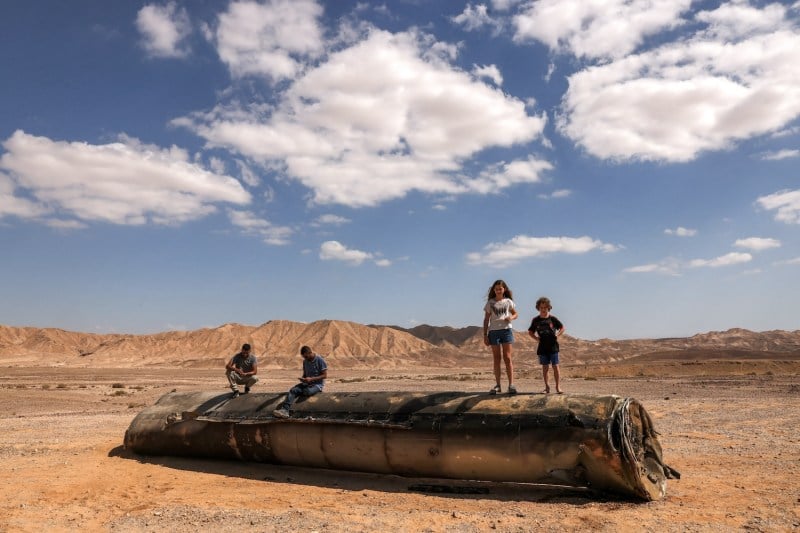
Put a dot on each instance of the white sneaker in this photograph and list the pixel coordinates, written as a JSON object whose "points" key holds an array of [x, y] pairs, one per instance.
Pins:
{"points": [[512, 389], [281, 413], [496, 389]]}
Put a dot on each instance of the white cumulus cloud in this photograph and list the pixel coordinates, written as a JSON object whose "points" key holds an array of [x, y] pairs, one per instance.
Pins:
{"points": [[126, 182], [780, 154], [272, 39], [502, 254], [389, 110], [490, 72], [475, 17], [667, 267], [786, 204], [680, 231], [734, 79], [610, 28], [336, 251], [733, 258], [164, 29], [253, 225], [330, 220], [757, 243]]}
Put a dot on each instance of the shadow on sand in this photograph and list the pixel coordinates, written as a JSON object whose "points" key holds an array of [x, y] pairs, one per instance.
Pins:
{"points": [[358, 481]]}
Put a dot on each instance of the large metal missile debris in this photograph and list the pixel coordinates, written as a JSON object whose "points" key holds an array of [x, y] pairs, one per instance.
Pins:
{"points": [[605, 443]]}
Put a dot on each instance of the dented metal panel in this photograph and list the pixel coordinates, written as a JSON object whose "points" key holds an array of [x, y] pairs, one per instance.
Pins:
{"points": [[606, 443]]}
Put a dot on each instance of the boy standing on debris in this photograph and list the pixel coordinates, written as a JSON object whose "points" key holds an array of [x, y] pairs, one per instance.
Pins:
{"points": [[546, 329]]}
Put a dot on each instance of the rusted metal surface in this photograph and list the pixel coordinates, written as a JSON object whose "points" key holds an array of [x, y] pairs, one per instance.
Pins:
{"points": [[606, 443]]}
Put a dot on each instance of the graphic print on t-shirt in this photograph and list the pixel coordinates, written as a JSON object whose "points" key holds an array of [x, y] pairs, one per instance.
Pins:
{"points": [[499, 312]]}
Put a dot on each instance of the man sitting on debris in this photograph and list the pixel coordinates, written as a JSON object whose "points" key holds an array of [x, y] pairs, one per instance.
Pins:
{"points": [[315, 371], [242, 370]]}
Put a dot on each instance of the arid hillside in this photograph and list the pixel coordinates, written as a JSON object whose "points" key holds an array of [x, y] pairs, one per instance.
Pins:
{"points": [[352, 345], [277, 343]]}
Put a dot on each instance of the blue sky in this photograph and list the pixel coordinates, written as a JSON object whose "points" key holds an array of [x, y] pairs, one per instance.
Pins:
{"points": [[183, 165]]}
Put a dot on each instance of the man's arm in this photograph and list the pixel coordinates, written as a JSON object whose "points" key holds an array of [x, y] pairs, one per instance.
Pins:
{"points": [[323, 375]]}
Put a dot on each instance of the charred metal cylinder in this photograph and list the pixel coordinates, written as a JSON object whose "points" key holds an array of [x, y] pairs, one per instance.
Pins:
{"points": [[606, 443]]}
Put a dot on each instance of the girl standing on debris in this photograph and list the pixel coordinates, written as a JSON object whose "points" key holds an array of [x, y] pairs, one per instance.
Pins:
{"points": [[499, 311]]}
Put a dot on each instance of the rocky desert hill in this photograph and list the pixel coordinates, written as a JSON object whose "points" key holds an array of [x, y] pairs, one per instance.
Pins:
{"points": [[735, 342], [358, 346], [277, 343]]}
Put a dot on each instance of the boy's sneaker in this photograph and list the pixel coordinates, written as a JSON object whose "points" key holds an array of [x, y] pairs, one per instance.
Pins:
{"points": [[235, 394], [496, 389], [512, 389], [247, 390], [281, 413]]}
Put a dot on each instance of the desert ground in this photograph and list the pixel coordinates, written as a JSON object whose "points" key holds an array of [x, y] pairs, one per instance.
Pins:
{"points": [[729, 427]]}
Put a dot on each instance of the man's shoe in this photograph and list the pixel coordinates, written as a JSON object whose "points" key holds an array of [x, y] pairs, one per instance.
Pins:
{"points": [[495, 389], [281, 413], [247, 390], [512, 389], [235, 394]]}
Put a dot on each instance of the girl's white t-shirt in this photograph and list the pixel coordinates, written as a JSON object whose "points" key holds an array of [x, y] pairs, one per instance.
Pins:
{"points": [[499, 313]]}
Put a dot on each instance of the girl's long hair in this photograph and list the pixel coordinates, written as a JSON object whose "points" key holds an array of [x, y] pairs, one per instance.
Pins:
{"points": [[506, 290]]}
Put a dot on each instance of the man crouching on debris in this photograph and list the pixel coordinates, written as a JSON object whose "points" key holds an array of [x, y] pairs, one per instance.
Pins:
{"points": [[242, 370], [315, 371]]}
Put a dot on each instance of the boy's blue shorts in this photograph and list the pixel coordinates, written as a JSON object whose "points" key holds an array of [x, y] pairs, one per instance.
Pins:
{"points": [[549, 359], [501, 336]]}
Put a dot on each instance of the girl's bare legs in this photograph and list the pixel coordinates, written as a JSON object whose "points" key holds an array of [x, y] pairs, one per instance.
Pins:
{"points": [[509, 365], [496, 355]]}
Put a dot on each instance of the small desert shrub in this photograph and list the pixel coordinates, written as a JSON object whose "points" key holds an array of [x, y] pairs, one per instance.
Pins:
{"points": [[590, 378], [46, 386], [61, 386], [118, 386], [120, 393], [137, 387]]}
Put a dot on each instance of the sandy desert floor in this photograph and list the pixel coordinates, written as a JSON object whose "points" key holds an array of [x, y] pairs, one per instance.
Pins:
{"points": [[733, 437]]}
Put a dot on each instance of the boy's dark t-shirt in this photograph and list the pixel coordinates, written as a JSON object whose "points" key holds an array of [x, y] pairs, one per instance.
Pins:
{"points": [[546, 329]]}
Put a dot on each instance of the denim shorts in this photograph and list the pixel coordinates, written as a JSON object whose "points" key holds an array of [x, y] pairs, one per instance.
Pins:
{"points": [[501, 336], [549, 359]]}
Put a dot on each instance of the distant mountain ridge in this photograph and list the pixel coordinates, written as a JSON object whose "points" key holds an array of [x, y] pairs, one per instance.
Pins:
{"points": [[353, 345]]}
